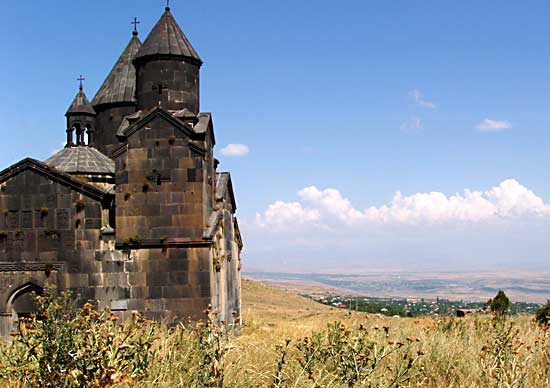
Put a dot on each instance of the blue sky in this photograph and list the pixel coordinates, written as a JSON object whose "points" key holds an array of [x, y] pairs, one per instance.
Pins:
{"points": [[364, 97]]}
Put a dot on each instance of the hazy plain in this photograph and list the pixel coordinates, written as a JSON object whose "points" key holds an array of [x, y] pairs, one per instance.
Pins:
{"points": [[467, 286]]}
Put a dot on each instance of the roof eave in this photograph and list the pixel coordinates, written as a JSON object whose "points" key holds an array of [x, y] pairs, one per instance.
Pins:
{"points": [[54, 174]]}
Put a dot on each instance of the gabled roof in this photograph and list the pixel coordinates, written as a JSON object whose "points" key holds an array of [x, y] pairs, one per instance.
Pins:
{"points": [[55, 175], [127, 121], [80, 105], [223, 187], [145, 117], [128, 129], [120, 84], [205, 121], [185, 114], [212, 226], [167, 39], [82, 160], [205, 125]]}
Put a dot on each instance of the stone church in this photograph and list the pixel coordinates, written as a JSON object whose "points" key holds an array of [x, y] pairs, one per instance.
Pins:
{"points": [[133, 213]]}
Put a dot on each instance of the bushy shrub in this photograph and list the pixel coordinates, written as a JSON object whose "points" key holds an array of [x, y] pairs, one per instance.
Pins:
{"points": [[502, 364], [499, 305], [543, 314], [66, 346], [356, 359]]}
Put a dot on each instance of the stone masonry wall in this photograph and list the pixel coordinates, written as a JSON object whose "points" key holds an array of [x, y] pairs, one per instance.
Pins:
{"points": [[160, 186], [174, 83], [108, 121]]}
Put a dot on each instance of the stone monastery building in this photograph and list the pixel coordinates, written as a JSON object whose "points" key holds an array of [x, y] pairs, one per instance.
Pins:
{"points": [[132, 214]]}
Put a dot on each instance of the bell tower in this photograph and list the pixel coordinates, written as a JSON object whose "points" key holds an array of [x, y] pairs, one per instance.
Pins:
{"points": [[81, 120], [167, 68]]}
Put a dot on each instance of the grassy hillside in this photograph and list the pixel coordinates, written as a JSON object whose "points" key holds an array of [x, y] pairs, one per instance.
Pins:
{"points": [[470, 352], [286, 341]]}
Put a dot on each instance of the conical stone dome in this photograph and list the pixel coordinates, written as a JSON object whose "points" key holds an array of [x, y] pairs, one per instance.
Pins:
{"points": [[120, 85], [80, 105], [167, 39]]}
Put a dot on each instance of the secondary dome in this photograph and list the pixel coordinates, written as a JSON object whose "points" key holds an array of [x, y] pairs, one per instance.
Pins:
{"points": [[82, 160]]}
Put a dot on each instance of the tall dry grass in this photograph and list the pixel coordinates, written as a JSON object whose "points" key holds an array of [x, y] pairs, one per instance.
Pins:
{"points": [[288, 341]]}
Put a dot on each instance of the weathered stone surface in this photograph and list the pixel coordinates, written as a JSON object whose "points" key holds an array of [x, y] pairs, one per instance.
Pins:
{"points": [[132, 216]]}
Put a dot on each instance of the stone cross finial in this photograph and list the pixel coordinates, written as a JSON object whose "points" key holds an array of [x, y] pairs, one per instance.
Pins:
{"points": [[80, 79], [135, 23]]}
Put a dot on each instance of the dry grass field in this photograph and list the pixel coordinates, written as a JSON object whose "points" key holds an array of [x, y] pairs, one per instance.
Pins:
{"points": [[469, 352], [286, 341]]}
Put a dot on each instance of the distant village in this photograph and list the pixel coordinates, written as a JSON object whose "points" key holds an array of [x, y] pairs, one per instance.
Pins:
{"points": [[413, 307]]}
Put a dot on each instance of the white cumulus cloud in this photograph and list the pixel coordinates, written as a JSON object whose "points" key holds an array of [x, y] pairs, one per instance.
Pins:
{"points": [[322, 230], [283, 213], [328, 207], [418, 97], [489, 125], [235, 150]]}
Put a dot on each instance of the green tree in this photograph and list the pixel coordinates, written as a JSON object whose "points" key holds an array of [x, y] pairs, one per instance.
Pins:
{"points": [[499, 305], [543, 314]]}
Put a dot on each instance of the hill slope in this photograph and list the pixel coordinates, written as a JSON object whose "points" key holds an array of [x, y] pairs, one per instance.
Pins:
{"points": [[450, 352]]}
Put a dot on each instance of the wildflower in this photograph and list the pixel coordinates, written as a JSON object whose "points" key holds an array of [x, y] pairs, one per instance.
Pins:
{"points": [[75, 374], [118, 377]]}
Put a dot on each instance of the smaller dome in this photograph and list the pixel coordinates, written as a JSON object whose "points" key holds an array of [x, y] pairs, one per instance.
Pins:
{"points": [[80, 105], [82, 160]]}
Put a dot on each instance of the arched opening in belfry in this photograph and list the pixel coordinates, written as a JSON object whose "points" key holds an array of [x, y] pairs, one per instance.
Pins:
{"points": [[88, 134], [22, 303], [79, 132]]}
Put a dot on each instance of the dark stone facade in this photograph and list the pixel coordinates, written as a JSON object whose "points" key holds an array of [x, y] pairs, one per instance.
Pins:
{"points": [[176, 89], [132, 214], [109, 118]]}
